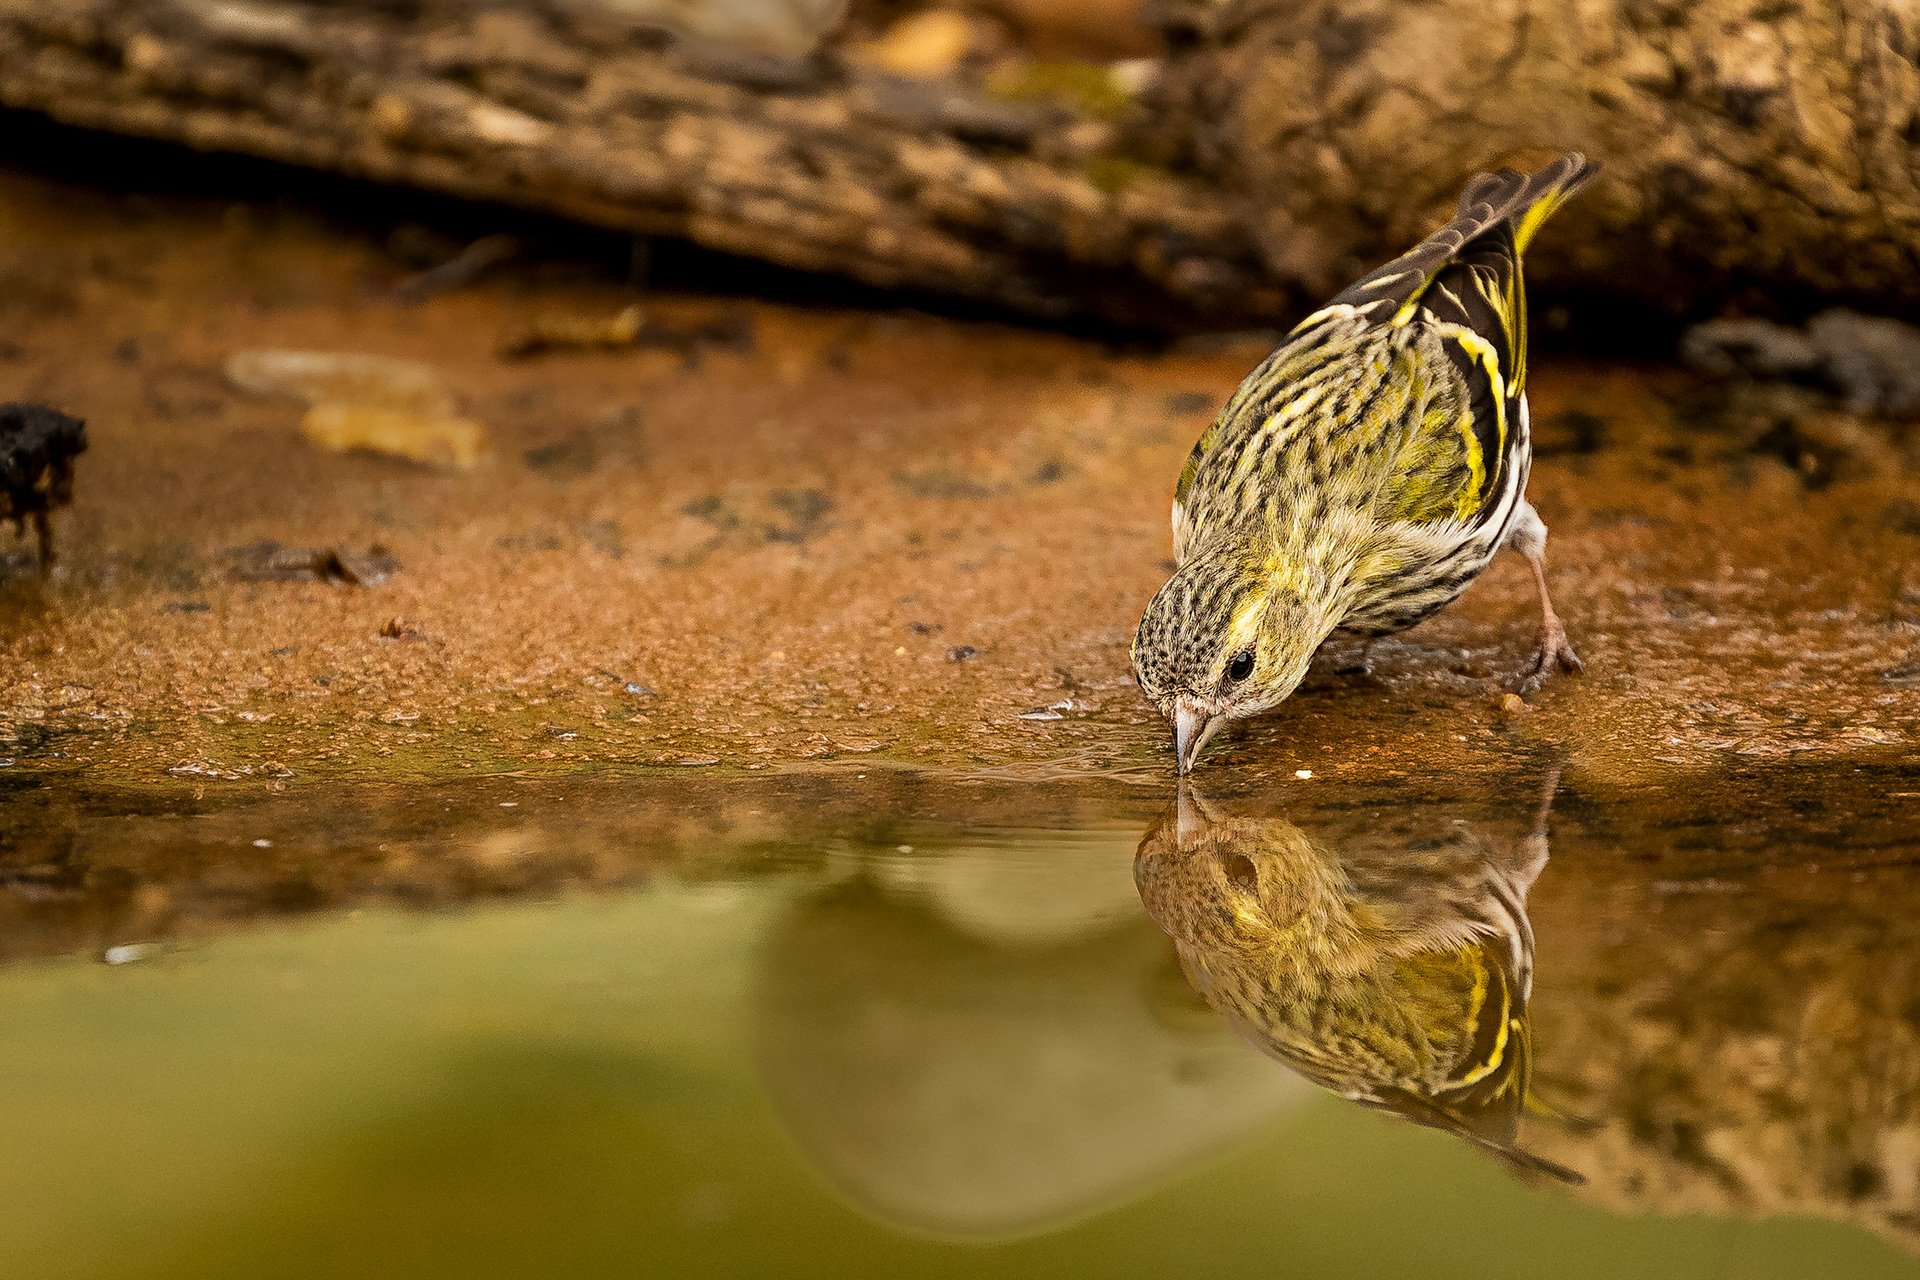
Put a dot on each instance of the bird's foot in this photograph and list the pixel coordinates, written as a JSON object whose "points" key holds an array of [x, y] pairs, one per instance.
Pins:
{"points": [[1553, 651]]}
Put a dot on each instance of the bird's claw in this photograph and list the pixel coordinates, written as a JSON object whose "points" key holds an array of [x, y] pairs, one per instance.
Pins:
{"points": [[1554, 650]]}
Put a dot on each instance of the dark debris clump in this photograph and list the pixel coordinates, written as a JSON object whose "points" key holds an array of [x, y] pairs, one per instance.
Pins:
{"points": [[268, 561], [37, 449], [1838, 400]]}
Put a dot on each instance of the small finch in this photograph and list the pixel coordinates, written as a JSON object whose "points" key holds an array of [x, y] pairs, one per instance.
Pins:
{"points": [[1395, 977], [1363, 475]]}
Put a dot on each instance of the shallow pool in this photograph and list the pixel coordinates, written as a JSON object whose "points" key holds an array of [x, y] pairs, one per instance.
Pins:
{"points": [[896, 1025]]}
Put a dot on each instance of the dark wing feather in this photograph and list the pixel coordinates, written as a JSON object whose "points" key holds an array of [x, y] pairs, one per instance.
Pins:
{"points": [[1490, 203], [1466, 277]]}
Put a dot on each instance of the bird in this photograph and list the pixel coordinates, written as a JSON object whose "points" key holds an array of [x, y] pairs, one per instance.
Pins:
{"points": [[1363, 474], [37, 449], [1395, 974]]}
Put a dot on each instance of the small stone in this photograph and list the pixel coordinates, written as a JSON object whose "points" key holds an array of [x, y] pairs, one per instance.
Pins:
{"points": [[961, 652], [1512, 704], [1303, 774]]}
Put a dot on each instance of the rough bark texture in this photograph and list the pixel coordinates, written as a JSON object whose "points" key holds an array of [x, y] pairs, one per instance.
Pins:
{"points": [[1756, 152], [1751, 146], [814, 164], [1754, 1049]]}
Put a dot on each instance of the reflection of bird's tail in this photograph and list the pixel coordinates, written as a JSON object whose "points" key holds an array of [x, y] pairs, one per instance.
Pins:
{"points": [[1527, 1162], [1438, 1115], [1541, 1109]]}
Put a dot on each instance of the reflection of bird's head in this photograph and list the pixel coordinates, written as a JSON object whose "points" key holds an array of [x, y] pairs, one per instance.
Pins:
{"points": [[1400, 982], [1244, 893]]}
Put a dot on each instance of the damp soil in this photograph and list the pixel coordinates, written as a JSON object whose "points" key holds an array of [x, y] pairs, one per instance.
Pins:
{"points": [[821, 534]]}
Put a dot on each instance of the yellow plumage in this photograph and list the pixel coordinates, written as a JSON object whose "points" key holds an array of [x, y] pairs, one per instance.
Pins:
{"points": [[1396, 978]]}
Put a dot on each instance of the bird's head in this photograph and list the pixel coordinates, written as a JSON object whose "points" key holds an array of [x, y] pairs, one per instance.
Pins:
{"points": [[1222, 640]]}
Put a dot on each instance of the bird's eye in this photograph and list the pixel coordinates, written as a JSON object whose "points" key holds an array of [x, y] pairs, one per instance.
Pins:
{"points": [[1241, 667], [1240, 869]]}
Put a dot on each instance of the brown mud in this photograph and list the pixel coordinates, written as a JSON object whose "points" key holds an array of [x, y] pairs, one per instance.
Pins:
{"points": [[830, 535]]}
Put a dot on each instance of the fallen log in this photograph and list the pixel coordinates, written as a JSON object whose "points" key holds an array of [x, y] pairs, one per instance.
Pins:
{"points": [[1759, 155], [1759, 159], [815, 163]]}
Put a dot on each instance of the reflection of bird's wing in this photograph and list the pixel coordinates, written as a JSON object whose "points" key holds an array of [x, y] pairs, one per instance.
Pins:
{"points": [[1458, 893], [1485, 1063], [1468, 1000]]}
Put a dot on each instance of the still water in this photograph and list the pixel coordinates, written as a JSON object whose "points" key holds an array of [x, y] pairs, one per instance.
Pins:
{"points": [[890, 1025]]}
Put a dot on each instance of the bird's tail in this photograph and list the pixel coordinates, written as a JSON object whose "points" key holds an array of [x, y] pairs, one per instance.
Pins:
{"points": [[1505, 208]]}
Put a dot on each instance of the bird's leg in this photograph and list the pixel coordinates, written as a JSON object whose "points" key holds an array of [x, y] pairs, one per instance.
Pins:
{"points": [[1554, 648], [1529, 537]]}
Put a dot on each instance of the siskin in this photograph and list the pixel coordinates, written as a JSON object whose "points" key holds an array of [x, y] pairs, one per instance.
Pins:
{"points": [[1395, 977], [1363, 474]]}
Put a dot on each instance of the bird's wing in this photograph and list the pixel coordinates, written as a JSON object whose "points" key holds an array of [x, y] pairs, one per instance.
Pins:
{"points": [[1508, 202], [1352, 368], [1464, 285]]}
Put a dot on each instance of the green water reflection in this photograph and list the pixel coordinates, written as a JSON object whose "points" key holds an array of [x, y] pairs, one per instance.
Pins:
{"points": [[774, 1034]]}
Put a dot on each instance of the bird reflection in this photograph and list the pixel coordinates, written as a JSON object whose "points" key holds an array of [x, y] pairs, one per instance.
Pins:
{"points": [[1395, 976]]}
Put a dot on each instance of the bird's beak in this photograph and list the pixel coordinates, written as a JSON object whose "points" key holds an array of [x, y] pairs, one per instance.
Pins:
{"points": [[1192, 726]]}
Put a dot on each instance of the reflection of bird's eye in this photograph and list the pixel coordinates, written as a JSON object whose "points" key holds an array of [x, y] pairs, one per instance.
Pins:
{"points": [[1240, 870], [1241, 667]]}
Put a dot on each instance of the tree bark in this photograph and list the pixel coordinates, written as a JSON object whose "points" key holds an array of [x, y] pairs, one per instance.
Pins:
{"points": [[816, 163], [1760, 152], [1757, 156]]}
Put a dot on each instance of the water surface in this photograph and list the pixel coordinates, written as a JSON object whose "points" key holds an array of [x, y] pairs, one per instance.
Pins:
{"points": [[894, 1025]]}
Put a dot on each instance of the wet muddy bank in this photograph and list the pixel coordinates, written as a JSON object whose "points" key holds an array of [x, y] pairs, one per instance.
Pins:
{"points": [[838, 534]]}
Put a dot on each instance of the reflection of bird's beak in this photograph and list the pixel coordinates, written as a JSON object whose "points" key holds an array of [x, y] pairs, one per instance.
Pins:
{"points": [[1187, 820], [1192, 726], [1191, 816]]}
